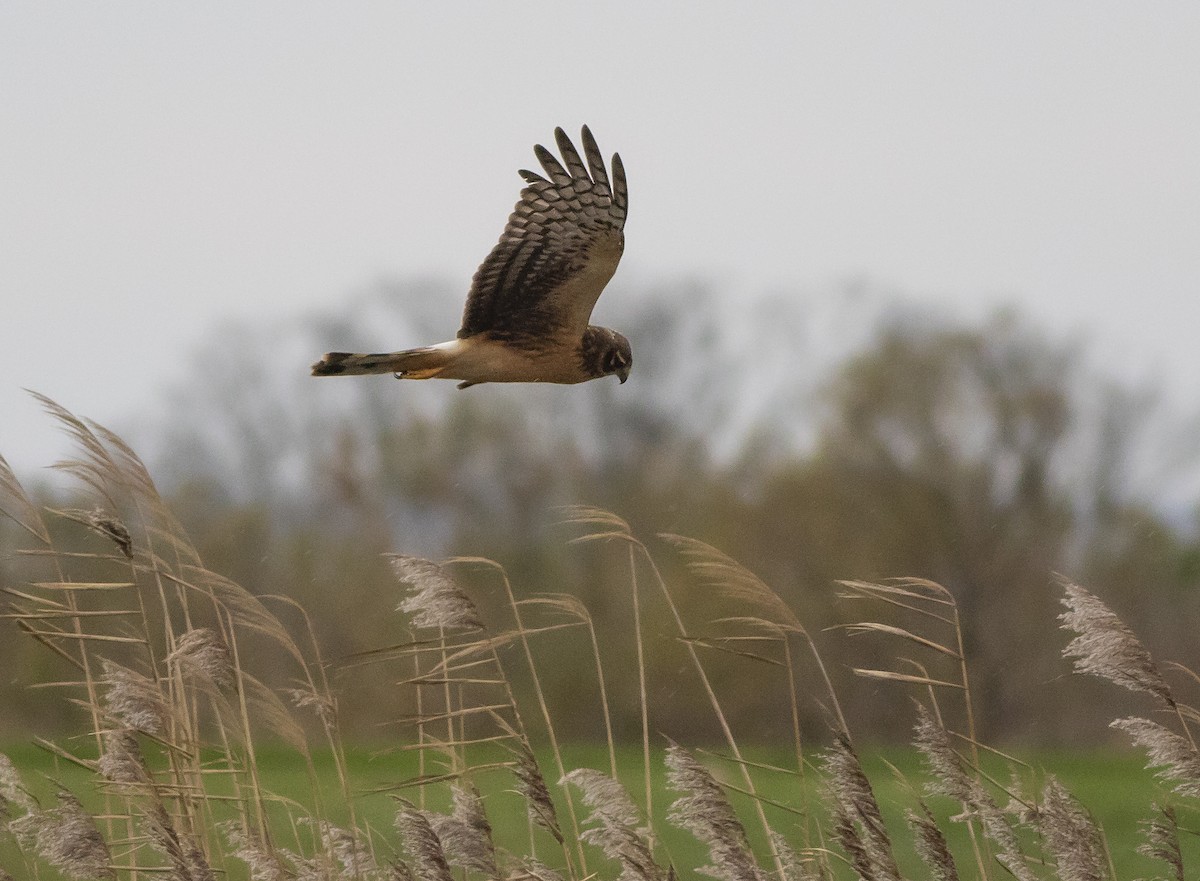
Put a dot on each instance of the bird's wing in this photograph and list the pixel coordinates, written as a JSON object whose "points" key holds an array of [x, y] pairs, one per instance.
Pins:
{"points": [[561, 246]]}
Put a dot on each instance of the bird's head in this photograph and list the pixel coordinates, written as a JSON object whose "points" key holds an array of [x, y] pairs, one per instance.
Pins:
{"points": [[618, 358], [606, 353]]}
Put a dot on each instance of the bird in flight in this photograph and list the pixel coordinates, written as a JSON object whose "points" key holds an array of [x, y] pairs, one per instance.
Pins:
{"points": [[527, 313]]}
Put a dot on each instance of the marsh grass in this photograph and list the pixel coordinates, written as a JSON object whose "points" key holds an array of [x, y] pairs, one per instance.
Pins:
{"points": [[187, 688]]}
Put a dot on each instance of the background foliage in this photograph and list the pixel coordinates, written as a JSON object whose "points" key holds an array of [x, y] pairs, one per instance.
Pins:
{"points": [[848, 440]]}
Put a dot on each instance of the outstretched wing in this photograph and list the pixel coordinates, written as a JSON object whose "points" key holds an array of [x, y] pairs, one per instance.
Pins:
{"points": [[561, 246]]}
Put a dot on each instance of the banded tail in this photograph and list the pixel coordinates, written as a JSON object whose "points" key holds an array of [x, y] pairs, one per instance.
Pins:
{"points": [[423, 363]]}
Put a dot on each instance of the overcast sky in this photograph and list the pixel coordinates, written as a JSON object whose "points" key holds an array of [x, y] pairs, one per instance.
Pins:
{"points": [[164, 166]]}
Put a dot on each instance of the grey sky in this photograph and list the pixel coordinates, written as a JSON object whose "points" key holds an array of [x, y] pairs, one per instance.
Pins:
{"points": [[163, 166]]}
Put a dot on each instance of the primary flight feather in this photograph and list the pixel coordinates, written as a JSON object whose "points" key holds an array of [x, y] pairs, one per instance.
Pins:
{"points": [[527, 313]]}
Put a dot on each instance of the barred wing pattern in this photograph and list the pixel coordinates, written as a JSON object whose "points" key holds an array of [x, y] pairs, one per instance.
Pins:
{"points": [[537, 287]]}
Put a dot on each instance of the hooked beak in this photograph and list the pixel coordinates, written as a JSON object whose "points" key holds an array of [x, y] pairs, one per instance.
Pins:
{"points": [[623, 374]]}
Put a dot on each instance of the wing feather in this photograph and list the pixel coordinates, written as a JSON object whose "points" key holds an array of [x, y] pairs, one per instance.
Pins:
{"points": [[620, 189], [560, 247], [570, 155], [553, 167], [595, 158]]}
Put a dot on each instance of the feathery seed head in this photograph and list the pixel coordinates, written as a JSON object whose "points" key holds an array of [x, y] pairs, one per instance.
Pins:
{"points": [[321, 704], [951, 779], [1105, 647], [794, 868], [198, 868], [11, 789], [1162, 840], [111, 528], [345, 847], [201, 652], [104, 524], [852, 844], [931, 845], [466, 834], [607, 798], [134, 699], [704, 811], [532, 785], [617, 830], [67, 838], [122, 761], [423, 845], [851, 790], [263, 863], [188, 862], [1174, 755], [950, 776], [1070, 835], [435, 599]]}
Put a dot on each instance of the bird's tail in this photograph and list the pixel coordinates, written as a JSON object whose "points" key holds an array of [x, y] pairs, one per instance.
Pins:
{"points": [[423, 363]]}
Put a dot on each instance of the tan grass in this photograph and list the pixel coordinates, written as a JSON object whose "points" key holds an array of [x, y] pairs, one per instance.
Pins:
{"points": [[166, 658]]}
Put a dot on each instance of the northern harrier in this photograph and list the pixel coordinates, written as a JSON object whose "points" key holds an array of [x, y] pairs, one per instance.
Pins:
{"points": [[526, 318]]}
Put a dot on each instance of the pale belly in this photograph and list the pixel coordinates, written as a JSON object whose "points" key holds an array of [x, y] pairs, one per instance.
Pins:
{"points": [[478, 360]]}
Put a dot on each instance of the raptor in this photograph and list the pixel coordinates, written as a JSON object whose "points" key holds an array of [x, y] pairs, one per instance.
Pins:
{"points": [[528, 310]]}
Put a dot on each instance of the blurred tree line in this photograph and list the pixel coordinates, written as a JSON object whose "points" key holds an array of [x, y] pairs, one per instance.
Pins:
{"points": [[810, 438]]}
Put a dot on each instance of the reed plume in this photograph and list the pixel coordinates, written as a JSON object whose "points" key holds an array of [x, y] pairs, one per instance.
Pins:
{"points": [[435, 599], [931, 846], [67, 838], [1162, 840], [859, 820], [423, 845], [618, 829], [1105, 647], [1176, 758], [703, 810], [1070, 835], [466, 834]]}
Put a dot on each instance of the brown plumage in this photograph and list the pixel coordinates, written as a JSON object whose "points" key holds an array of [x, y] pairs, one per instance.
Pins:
{"points": [[526, 317]]}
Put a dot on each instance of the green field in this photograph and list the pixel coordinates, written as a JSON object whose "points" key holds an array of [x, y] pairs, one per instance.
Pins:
{"points": [[1114, 788]]}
